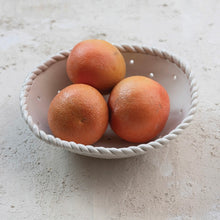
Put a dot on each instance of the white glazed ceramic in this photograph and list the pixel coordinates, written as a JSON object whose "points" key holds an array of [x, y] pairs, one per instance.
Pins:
{"points": [[46, 80]]}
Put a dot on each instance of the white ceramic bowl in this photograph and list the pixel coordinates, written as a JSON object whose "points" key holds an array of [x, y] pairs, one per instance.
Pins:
{"points": [[46, 80]]}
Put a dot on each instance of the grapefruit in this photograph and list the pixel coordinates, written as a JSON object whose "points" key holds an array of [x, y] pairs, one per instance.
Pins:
{"points": [[78, 113], [97, 63], [139, 108]]}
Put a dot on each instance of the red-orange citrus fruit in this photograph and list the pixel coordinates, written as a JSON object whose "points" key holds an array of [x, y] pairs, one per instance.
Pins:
{"points": [[139, 109], [78, 113], [97, 63]]}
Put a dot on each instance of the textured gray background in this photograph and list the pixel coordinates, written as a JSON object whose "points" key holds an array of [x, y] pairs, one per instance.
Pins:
{"points": [[38, 181]]}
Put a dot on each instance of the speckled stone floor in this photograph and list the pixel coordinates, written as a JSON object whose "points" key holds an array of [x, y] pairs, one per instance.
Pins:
{"points": [[181, 181]]}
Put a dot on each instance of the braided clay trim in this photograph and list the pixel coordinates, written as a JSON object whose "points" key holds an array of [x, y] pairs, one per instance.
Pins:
{"points": [[103, 152]]}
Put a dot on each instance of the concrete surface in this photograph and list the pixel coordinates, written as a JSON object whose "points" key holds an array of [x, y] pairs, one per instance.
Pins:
{"points": [[38, 181]]}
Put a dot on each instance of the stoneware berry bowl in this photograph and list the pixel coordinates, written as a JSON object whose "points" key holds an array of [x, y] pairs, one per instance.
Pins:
{"points": [[42, 84]]}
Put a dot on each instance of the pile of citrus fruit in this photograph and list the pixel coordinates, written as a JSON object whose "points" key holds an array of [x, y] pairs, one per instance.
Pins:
{"points": [[137, 108]]}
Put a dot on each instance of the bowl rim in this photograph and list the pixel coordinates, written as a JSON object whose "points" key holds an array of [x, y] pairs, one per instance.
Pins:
{"points": [[103, 152]]}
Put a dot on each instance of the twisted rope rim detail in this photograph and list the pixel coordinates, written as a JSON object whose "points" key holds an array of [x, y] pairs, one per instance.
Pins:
{"points": [[103, 152]]}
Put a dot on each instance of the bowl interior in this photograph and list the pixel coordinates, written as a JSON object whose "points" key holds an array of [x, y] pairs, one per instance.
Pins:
{"points": [[172, 78]]}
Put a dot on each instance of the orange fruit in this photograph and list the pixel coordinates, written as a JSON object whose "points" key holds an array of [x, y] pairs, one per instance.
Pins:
{"points": [[139, 108], [78, 113], [97, 63]]}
